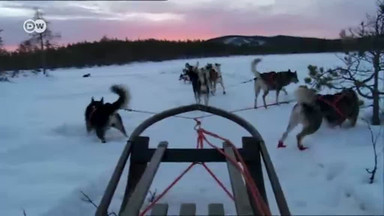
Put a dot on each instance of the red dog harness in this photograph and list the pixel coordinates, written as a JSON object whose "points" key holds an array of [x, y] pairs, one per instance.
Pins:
{"points": [[270, 79], [92, 112], [214, 75], [333, 104]]}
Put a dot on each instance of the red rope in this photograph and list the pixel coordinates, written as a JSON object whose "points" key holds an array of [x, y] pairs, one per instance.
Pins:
{"points": [[218, 181], [199, 145], [167, 189], [251, 184], [257, 198], [333, 104]]}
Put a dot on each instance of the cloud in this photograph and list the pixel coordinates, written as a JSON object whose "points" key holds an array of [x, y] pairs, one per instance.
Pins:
{"points": [[186, 19]]}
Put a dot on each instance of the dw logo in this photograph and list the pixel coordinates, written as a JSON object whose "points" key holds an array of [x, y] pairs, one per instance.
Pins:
{"points": [[38, 26]]}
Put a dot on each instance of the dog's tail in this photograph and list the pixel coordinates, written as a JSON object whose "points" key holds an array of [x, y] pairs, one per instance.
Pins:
{"points": [[124, 97], [254, 64], [353, 103], [304, 95]]}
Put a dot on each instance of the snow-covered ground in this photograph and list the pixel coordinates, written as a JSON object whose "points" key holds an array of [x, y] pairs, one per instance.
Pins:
{"points": [[46, 157]]}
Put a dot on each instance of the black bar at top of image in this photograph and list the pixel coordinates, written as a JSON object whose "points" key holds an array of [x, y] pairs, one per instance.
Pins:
{"points": [[92, 0]]}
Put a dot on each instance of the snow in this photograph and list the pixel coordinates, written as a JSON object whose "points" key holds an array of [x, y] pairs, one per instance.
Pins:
{"points": [[239, 41], [46, 157]]}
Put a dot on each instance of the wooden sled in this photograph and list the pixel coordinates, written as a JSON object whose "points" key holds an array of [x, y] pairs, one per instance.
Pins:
{"points": [[144, 163]]}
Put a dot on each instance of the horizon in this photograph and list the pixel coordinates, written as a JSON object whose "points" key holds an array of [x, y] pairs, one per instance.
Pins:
{"points": [[13, 48], [184, 20]]}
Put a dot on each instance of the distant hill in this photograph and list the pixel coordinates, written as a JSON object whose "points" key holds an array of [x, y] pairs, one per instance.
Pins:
{"points": [[257, 41], [114, 51]]}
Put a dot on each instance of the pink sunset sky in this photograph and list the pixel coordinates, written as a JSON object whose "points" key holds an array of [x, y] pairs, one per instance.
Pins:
{"points": [[184, 19]]}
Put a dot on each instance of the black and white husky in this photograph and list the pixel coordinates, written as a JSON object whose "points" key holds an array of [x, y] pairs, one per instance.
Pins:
{"points": [[101, 116], [200, 82], [311, 108], [271, 81]]}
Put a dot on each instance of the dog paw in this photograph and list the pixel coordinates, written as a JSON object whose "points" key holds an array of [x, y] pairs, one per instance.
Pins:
{"points": [[281, 145], [302, 148], [224, 93]]}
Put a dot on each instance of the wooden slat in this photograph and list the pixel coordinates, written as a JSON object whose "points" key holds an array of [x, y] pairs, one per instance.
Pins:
{"points": [[215, 209], [242, 203], [187, 155], [136, 168], [251, 147], [274, 180], [160, 210], [137, 198], [188, 209], [102, 210]]}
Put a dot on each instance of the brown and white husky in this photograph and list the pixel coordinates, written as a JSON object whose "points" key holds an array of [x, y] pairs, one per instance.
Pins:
{"points": [[311, 108], [271, 81]]}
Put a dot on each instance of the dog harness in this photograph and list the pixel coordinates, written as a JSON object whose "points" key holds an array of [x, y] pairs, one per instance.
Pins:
{"points": [[333, 104], [214, 74], [92, 112], [270, 78]]}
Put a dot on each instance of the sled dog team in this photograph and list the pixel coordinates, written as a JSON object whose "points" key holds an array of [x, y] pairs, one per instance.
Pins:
{"points": [[204, 80], [310, 110]]}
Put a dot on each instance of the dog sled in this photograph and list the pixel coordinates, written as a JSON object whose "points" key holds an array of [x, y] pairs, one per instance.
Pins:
{"points": [[244, 168]]}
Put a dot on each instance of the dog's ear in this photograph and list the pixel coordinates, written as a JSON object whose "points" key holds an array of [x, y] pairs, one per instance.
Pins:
{"points": [[92, 100], [102, 100], [289, 70]]}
